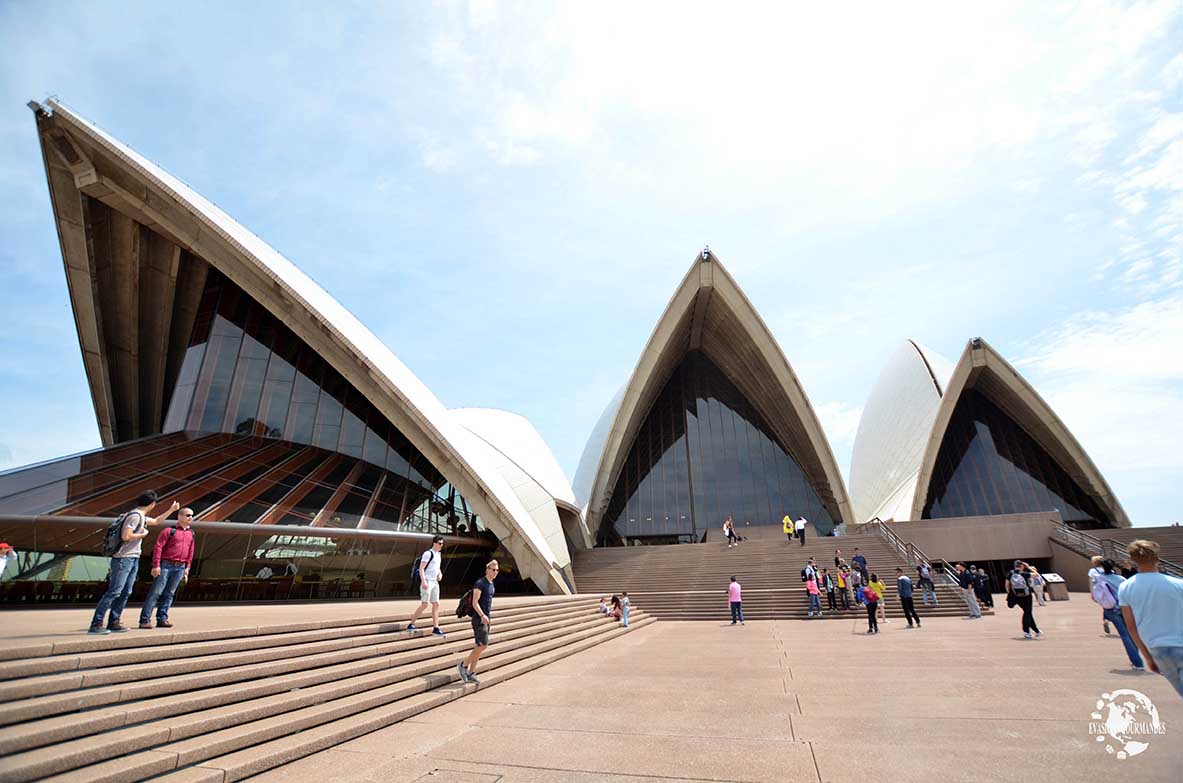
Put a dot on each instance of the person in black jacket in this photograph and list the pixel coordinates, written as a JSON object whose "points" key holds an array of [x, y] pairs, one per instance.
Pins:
{"points": [[984, 588]]}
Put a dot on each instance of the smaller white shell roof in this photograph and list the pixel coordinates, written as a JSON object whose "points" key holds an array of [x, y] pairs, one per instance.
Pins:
{"points": [[515, 437], [893, 432]]}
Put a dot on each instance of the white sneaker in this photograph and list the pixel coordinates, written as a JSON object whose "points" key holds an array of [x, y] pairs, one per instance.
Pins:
{"points": [[1028, 634], [1039, 634]]}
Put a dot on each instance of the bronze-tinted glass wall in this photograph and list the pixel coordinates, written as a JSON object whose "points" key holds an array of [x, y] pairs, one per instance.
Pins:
{"points": [[246, 373], [988, 464], [702, 453]]}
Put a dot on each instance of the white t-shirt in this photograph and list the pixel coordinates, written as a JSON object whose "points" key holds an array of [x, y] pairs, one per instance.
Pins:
{"points": [[1094, 572], [432, 571], [802, 522]]}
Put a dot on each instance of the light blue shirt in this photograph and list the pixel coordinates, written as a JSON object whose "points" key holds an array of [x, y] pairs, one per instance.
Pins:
{"points": [[1157, 603]]}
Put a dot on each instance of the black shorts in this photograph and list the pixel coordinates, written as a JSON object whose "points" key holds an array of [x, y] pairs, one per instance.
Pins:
{"points": [[480, 632]]}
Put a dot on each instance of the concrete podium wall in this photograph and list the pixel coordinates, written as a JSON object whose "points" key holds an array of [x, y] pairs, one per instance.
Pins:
{"points": [[1000, 537]]}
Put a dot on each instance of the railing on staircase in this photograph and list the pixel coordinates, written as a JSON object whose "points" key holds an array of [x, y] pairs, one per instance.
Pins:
{"points": [[911, 553], [1089, 545]]}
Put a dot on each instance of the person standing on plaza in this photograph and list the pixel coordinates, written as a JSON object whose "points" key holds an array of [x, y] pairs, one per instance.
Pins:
{"points": [[1018, 588], [1094, 572], [171, 559], [924, 572], [965, 581], [7, 555], [982, 587], [133, 529], [735, 600], [871, 598], [789, 528], [1105, 591], [881, 590], [1152, 606], [801, 524], [481, 614], [1036, 586], [830, 588], [430, 570], [903, 588]]}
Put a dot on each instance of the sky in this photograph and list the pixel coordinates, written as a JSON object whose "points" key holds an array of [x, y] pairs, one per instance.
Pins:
{"points": [[508, 193]]}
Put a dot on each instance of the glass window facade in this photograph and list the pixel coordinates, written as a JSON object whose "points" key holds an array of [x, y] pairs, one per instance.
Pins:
{"points": [[988, 464], [246, 373], [702, 453], [275, 486]]}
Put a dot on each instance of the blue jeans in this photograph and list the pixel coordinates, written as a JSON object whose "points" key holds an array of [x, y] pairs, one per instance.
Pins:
{"points": [[929, 589], [119, 584], [736, 612], [1170, 663], [624, 616], [1131, 649], [815, 603], [163, 589]]}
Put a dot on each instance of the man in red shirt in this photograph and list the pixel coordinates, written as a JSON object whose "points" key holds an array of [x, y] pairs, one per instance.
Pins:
{"points": [[171, 558]]}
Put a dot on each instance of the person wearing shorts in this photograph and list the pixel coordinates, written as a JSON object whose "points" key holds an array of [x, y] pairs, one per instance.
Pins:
{"points": [[482, 609], [429, 586]]}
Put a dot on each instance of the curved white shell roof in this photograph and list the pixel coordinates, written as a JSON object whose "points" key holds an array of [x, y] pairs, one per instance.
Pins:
{"points": [[515, 437], [893, 432], [709, 312], [267, 275], [909, 409]]}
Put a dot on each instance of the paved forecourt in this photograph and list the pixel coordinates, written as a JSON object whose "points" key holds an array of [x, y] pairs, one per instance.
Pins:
{"points": [[958, 700]]}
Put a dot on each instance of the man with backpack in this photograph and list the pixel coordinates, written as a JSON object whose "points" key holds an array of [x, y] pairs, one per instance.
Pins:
{"points": [[481, 608], [1018, 590], [171, 558], [122, 544], [428, 569]]}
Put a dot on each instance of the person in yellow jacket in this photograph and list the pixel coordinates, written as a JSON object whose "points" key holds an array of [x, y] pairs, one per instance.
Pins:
{"points": [[880, 588], [790, 530]]}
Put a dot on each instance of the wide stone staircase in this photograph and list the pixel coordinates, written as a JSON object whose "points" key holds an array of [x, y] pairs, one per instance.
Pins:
{"points": [[219, 706], [689, 581]]}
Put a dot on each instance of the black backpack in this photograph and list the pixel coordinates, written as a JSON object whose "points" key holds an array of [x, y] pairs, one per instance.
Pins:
{"points": [[113, 538], [464, 605]]}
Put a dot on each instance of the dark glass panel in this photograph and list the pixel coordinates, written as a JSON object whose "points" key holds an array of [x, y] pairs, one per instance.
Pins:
{"points": [[305, 395], [988, 464], [704, 452], [353, 428]]}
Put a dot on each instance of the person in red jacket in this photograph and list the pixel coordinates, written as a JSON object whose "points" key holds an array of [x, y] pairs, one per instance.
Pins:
{"points": [[171, 559]]}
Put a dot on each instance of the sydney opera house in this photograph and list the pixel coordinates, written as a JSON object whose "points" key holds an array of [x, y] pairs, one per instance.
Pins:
{"points": [[318, 464]]}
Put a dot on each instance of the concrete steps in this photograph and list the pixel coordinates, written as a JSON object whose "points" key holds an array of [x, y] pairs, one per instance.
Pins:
{"points": [[689, 581], [134, 706]]}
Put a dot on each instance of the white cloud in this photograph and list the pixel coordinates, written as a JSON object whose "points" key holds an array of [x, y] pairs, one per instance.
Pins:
{"points": [[1114, 378], [840, 421]]}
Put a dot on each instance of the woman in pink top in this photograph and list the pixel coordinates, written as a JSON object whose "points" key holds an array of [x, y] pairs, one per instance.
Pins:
{"points": [[733, 595], [815, 597]]}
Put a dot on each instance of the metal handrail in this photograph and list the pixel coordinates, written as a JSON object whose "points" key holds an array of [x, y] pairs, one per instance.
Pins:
{"points": [[1111, 548], [911, 553]]}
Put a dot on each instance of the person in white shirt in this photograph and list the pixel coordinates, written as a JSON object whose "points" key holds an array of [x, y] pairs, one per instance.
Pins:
{"points": [[6, 554], [1095, 572], [430, 571], [801, 523]]}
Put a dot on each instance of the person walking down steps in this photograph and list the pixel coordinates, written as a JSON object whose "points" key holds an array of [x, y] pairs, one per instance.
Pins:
{"points": [[430, 572]]}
